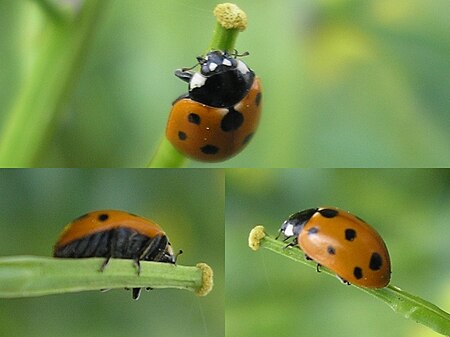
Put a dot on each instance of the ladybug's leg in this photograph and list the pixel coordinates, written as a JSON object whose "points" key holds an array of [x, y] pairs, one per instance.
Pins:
{"points": [[151, 252], [286, 238], [137, 264], [104, 264], [279, 233], [292, 244], [154, 249], [317, 266], [136, 292], [102, 268], [343, 280], [111, 251], [184, 74]]}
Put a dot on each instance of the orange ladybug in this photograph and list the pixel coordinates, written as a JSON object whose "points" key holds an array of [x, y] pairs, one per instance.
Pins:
{"points": [[217, 118], [114, 234], [342, 242]]}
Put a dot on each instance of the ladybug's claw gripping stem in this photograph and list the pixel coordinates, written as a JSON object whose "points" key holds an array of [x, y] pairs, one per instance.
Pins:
{"points": [[137, 264], [104, 264], [292, 244], [279, 233]]}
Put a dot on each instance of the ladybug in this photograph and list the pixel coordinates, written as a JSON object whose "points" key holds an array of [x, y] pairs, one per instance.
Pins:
{"points": [[342, 242], [219, 115], [115, 234]]}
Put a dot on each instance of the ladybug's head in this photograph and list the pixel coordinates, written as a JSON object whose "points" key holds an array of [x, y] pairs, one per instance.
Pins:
{"points": [[223, 80], [295, 223], [217, 61], [167, 255]]}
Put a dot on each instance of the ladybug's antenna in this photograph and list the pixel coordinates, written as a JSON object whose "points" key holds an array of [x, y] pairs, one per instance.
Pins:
{"points": [[200, 60], [178, 254], [236, 53]]}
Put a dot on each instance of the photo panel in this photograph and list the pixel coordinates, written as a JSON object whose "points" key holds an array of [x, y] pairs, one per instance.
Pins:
{"points": [[270, 294], [188, 205]]}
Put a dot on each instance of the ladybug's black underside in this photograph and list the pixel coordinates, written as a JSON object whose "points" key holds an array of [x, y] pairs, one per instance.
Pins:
{"points": [[121, 242]]}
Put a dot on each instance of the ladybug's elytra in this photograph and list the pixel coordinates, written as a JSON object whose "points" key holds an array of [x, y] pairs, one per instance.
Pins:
{"points": [[219, 115], [342, 242], [114, 234]]}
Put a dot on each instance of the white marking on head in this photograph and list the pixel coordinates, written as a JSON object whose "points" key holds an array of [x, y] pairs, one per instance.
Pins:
{"points": [[226, 62], [212, 66], [289, 230], [242, 67], [197, 81]]}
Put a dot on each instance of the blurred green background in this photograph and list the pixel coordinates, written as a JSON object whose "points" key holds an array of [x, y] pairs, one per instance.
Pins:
{"points": [[347, 83], [189, 204], [270, 295]]}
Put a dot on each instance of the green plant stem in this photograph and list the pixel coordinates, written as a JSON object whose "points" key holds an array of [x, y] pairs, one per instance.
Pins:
{"points": [[223, 38], [410, 306], [230, 21], [413, 307], [45, 90], [25, 276], [166, 156]]}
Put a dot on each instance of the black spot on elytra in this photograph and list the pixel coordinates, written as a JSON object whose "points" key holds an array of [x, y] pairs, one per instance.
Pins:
{"points": [[331, 250], [328, 213], [313, 230], [103, 217], [194, 118], [376, 261], [350, 234], [182, 135], [248, 138], [209, 149], [232, 120], [357, 272], [258, 99]]}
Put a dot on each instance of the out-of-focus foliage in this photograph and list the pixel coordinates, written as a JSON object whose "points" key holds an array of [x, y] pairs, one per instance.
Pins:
{"points": [[346, 83], [189, 205], [269, 295]]}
